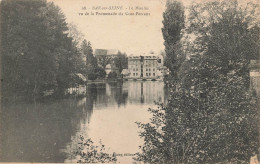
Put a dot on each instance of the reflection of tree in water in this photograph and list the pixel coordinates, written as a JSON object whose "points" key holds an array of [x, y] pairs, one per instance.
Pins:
{"points": [[107, 94], [120, 96], [147, 92], [36, 132], [91, 96]]}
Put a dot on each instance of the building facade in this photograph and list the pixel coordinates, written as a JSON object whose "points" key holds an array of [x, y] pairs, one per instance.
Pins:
{"points": [[144, 67], [105, 56]]}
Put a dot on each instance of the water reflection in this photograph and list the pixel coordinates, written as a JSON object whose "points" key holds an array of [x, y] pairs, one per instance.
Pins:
{"points": [[133, 92], [48, 131], [36, 132], [117, 106]]}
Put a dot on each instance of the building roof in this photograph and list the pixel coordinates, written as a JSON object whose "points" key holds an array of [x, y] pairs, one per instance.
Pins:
{"points": [[112, 52], [99, 52]]}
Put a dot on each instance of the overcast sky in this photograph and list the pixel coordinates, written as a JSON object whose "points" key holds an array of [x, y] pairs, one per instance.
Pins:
{"points": [[131, 34]]}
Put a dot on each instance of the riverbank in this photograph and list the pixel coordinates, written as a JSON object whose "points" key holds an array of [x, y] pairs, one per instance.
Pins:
{"points": [[104, 81]]}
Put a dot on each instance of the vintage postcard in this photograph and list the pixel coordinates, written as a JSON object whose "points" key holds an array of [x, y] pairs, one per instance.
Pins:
{"points": [[130, 81]]}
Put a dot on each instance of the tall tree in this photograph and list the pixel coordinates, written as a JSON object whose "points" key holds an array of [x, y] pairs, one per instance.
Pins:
{"points": [[87, 51], [173, 24], [91, 61], [121, 61], [37, 53]]}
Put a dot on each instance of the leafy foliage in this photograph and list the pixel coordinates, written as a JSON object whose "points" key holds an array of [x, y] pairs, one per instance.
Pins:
{"points": [[211, 115], [104, 60], [121, 61], [93, 71], [173, 24], [214, 121], [37, 53], [112, 75], [89, 153]]}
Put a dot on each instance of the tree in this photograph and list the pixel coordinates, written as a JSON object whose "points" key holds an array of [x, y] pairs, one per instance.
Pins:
{"points": [[89, 153], [75, 34], [211, 115], [112, 75], [104, 60], [91, 61], [101, 73], [87, 52], [209, 118], [121, 61], [227, 32], [37, 53], [173, 24]]}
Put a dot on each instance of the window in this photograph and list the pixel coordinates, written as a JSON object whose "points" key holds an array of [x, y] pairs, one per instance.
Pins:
{"points": [[136, 69], [134, 74], [133, 69], [153, 69], [146, 74], [153, 74], [149, 74]]}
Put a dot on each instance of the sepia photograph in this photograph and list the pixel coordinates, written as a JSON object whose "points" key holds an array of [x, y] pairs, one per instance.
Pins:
{"points": [[130, 81]]}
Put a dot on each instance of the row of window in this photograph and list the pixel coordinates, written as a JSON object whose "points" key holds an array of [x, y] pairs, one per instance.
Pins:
{"points": [[148, 69], [147, 74], [151, 61], [146, 61], [133, 62], [150, 65]]}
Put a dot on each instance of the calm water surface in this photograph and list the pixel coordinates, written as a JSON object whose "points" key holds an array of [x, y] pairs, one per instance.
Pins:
{"points": [[49, 131]]}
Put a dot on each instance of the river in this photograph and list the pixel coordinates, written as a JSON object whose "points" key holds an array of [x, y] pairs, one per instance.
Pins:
{"points": [[49, 131]]}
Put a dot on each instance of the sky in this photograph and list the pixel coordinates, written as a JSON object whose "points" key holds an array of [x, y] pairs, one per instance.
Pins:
{"points": [[134, 35]]}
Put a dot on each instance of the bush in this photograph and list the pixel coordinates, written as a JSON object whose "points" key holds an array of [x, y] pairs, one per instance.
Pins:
{"points": [[90, 153], [112, 75], [101, 73], [92, 76]]}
